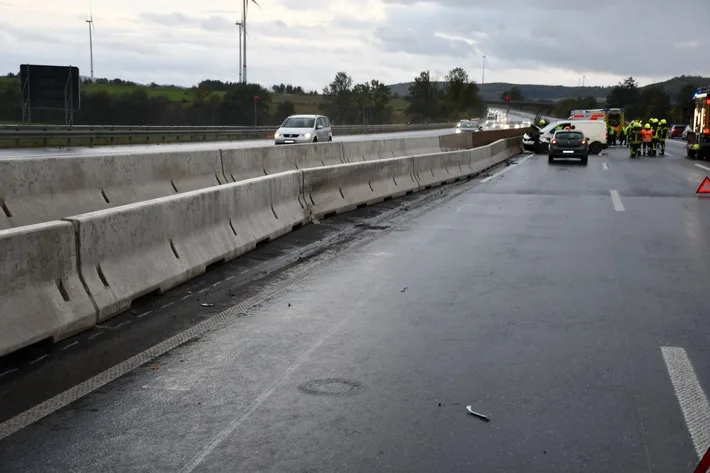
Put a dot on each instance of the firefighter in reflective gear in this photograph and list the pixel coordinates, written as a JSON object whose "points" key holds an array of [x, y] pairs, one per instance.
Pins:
{"points": [[635, 139], [611, 132], [662, 133], [654, 137], [647, 139], [625, 135], [542, 123]]}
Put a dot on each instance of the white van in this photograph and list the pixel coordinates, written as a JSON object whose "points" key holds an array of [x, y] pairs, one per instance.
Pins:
{"points": [[594, 130]]}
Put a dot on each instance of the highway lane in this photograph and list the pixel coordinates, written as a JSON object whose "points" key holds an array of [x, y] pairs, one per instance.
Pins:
{"points": [[560, 300], [177, 147]]}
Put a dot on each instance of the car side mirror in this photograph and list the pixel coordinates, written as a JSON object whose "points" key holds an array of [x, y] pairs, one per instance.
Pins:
{"points": [[318, 127]]}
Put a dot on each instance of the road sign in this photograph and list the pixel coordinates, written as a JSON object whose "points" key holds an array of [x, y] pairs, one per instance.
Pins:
{"points": [[50, 88], [704, 187], [507, 98]]}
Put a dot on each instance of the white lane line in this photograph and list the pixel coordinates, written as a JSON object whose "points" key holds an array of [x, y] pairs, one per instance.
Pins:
{"points": [[230, 278], [115, 327], [202, 290], [507, 168], [38, 359], [144, 314], [8, 372], [187, 297], [167, 305], [69, 346], [702, 167], [95, 335], [669, 154], [217, 284], [616, 200], [691, 397], [605, 166]]}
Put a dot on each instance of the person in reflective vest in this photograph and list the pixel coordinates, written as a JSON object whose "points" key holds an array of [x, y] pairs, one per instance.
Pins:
{"points": [[542, 123], [611, 138], [647, 139], [635, 139], [625, 134], [654, 137], [662, 133]]}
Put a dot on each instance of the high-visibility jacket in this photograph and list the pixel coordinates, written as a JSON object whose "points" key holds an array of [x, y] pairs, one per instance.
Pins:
{"points": [[611, 131], [663, 132], [646, 135], [617, 129], [634, 135]]}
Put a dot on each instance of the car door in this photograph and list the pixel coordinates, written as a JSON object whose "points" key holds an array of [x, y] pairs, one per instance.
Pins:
{"points": [[321, 133]]}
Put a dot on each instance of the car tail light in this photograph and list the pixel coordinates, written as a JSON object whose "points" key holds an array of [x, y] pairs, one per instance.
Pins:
{"points": [[554, 142], [584, 142]]}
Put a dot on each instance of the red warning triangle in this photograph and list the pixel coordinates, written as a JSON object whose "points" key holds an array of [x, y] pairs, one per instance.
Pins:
{"points": [[704, 187]]}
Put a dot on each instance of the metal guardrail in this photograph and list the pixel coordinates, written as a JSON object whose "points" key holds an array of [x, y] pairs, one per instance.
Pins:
{"points": [[138, 134]]}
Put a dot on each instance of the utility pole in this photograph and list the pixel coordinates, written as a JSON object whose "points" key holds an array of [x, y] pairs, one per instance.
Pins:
{"points": [[244, 32], [483, 74], [239, 25]]}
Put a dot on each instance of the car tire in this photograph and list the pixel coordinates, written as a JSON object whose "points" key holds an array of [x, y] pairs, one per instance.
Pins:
{"points": [[330, 138], [550, 159], [315, 139], [585, 160], [595, 148]]}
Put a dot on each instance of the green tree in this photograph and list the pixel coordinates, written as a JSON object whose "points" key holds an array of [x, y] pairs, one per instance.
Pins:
{"points": [[563, 108], [238, 104], [423, 99], [284, 110], [655, 102], [626, 95], [338, 99], [462, 97], [683, 112]]}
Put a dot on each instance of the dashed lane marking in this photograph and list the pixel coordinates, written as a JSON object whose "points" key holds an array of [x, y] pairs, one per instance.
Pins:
{"points": [[616, 200], [144, 314], [37, 360], [69, 346], [691, 397], [702, 167], [605, 166]]}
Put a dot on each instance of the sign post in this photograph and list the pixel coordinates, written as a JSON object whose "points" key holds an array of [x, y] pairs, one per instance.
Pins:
{"points": [[256, 99]]}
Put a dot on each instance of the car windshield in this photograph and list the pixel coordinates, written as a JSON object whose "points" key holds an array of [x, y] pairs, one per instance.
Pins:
{"points": [[465, 124], [569, 135], [299, 122]]}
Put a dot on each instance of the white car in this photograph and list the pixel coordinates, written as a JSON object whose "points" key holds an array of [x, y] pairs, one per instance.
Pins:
{"points": [[304, 129], [467, 126]]}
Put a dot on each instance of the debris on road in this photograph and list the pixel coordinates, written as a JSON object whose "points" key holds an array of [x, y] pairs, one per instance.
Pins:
{"points": [[207, 305], [476, 414], [405, 289]]}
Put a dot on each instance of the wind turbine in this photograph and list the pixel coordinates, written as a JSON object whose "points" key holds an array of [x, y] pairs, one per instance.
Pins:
{"points": [[483, 73], [245, 9], [240, 25], [90, 21]]}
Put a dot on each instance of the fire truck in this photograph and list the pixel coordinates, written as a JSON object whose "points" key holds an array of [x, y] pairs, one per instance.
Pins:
{"points": [[699, 135], [611, 116]]}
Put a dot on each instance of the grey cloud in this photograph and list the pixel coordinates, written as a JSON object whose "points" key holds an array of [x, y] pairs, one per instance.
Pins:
{"points": [[609, 38], [177, 19]]}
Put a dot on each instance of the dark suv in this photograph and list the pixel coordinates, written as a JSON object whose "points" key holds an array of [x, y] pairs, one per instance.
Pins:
{"points": [[568, 144]]}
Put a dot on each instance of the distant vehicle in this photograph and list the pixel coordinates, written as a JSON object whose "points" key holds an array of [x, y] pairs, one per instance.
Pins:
{"points": [[466, 126], [687, 130], [304, 129], [676, 131], [595, 130], [568, 144], [492, 117]]}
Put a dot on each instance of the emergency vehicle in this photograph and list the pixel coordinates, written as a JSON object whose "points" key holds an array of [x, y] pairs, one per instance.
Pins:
{"points": [[699, 135], [612, 116]]}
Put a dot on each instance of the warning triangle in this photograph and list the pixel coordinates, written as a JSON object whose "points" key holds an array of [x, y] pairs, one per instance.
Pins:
{"points": [[704, 187]]}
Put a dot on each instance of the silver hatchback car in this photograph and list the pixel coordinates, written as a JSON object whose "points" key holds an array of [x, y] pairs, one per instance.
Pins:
{"points": [[304, 129]]}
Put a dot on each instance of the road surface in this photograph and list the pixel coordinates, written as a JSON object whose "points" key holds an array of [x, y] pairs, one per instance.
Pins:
{"points": [[567, 303], [176, 147]]}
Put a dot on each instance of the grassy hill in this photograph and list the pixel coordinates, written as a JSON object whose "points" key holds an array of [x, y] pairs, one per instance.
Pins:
{"points": [[494, 90]]}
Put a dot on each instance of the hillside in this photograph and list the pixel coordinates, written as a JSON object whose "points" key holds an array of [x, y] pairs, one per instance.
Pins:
{"points": [[558, 92]]}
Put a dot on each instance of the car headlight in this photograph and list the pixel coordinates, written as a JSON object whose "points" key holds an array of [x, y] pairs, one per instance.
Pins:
{"points": [[307, 135], [277, 135], [458, 130]]}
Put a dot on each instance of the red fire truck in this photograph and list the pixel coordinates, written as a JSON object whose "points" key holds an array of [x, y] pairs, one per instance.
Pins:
{"points": [[699, 135]]}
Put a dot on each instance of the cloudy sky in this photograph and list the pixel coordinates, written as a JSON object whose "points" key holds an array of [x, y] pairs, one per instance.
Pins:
{"points": [[306, 42]]}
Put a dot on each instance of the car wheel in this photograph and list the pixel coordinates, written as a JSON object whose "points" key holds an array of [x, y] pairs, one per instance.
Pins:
{"points": [[330, 138], [550, 159], [585, 160], [315, 139], [595, 148]]}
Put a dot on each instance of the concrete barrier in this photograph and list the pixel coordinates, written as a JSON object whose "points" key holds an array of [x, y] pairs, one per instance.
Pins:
{"points": [[34, 190], [336, 189], [456, 141], [435, 169], [368, 150], [422, 145], [246, 163], [130, 251], [41, 295]]}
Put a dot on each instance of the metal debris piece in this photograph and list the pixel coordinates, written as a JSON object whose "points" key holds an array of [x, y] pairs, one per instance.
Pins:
{"points": [[207, 305], [404, 290], [476, 414]]}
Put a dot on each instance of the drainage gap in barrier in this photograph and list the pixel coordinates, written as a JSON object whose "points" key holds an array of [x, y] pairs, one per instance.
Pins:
{"points": [[102, 276], [394, 180], [410, 192], [274, 212], [370, 184], [103, 194], [330, 214], [341, 192], [427, 187], [389, 197], [62, 290], [172, 247], [172, 183], [231, 225], [5, 210], [216, 264], [310, 195], [361, 206], [261, 242], [296, 227]]}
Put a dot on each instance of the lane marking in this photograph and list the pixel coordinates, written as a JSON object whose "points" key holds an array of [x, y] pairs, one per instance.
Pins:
{"points": [[116, 327], [167, 305], [616, 200], [69, 346], [9, 372], [691, 397], [217, 284], [230, 278], [198, 459], [187, 297], [38, 359], [95, 335], [202, 290], [605, 166], [507, 168], [144, 314], [702, 167]]}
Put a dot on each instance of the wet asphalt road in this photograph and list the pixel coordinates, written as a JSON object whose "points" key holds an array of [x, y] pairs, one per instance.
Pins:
{"points": [[533, 296]]}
